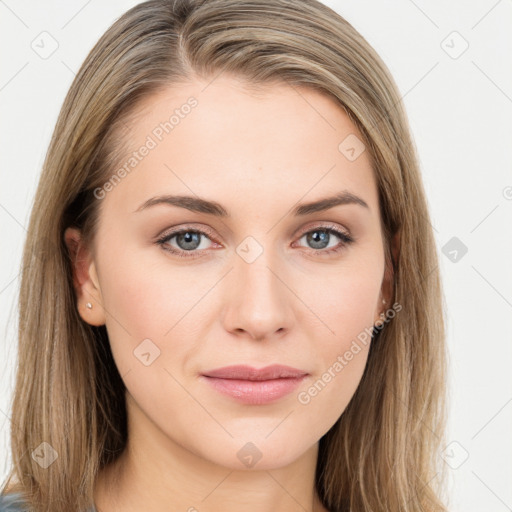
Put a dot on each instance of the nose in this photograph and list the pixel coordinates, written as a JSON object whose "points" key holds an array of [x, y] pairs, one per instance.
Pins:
{"points": [[259, 300]]}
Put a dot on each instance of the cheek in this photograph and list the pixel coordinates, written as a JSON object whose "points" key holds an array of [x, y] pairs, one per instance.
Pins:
{"points": [[344, 301], [152, 298], [341, 360], [143, 289], [150, 333], [343, 308]]}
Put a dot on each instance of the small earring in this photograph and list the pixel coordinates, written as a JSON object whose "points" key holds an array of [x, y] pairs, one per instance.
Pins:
{"points": [[383, 301], [88, 305]]}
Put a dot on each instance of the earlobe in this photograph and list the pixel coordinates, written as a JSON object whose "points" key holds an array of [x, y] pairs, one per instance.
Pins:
{"points": [[85, 279]]}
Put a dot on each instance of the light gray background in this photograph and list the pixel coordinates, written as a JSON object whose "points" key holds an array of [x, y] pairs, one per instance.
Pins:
{"points": [[460, 109]]}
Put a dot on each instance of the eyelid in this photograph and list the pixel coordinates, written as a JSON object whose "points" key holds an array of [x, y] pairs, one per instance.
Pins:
{"points": [[187, 227], [323, 225]]}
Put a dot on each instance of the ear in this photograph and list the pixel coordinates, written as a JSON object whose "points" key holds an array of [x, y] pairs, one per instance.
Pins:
{"points": [[387, 290], [85, 279]]}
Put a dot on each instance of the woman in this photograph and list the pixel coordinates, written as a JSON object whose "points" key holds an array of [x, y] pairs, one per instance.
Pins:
{"points": [[230, 294]]}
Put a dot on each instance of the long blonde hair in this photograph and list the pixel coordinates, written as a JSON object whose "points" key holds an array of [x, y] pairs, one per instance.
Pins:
{"points": [[382, 452]]}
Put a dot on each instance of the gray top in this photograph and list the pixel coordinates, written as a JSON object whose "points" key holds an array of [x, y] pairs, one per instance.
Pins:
{"points": [[13, 502]]}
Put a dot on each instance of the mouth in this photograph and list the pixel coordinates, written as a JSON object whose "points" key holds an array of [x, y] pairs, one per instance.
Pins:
{"points": [[255, 386]]}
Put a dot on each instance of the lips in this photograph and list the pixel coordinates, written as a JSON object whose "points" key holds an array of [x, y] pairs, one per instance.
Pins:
{"points": [[244, 372], [254, 386]]}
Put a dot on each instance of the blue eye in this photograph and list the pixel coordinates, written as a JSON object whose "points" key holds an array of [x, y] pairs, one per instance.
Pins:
{"points": [[321, 236], [189, 240]]}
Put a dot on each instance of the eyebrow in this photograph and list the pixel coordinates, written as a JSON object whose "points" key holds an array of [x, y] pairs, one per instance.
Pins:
{"points": [[196, 204]]}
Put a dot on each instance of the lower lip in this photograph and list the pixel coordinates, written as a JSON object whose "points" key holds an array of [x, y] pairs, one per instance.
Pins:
{"points": [[255, 392]]}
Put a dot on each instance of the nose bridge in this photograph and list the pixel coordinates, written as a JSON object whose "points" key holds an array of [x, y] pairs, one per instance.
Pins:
{"points": [[256, 267], [260, 301]]}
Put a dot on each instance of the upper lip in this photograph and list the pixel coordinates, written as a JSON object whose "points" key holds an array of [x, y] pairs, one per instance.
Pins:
{"points": [[244, 372]]}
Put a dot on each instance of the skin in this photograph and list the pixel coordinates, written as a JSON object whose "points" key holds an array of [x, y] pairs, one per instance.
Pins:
{"points": [[258, 155]]}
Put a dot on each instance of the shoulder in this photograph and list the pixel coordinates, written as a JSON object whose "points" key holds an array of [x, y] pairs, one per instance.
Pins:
{"points": [[12, 502]]}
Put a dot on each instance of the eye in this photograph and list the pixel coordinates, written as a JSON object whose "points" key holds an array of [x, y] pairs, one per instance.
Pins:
{"points": [[188, 240], [320, 237]]}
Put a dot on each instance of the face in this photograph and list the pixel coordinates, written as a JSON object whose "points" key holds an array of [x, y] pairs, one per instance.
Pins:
{"points": [[253, 277]]}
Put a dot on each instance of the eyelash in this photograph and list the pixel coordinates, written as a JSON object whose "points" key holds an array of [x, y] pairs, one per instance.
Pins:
{"points": [[331, 229]]}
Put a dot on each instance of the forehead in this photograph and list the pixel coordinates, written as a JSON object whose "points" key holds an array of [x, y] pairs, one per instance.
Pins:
{"points": [[229, 140]]}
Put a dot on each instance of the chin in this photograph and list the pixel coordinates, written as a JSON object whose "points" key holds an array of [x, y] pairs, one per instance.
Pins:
{"points": [[253, 453]]}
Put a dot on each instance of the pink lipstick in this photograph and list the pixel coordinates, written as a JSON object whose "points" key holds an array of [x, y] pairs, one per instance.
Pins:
{"points": [[255, 386]]}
